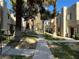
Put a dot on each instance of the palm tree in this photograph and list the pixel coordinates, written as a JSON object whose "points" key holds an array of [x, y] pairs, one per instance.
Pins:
{"points": [[45, 14], [17, 7], [18, 10], [54, 17], [13, 3]]}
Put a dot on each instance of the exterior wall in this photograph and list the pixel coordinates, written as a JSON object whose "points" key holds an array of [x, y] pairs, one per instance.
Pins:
{"points": [[72, 16], [70, 20], [77, 31], [72, 12], [74, 19]]}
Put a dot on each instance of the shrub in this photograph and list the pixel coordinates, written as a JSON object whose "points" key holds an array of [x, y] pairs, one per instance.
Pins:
{"points": [[77, 36]]}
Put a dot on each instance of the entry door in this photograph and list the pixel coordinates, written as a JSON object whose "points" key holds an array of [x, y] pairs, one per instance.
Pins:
{"points": [[72, 32]]}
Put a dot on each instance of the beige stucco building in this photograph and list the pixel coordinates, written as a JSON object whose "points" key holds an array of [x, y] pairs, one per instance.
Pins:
{"points": [[68, 21], [6, 18]]}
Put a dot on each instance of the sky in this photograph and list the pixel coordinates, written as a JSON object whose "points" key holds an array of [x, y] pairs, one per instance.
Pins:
{"points": [[67, 3], [8, 4], [59, 4]]}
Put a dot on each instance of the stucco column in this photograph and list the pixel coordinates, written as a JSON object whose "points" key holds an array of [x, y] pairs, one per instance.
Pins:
{"points": [[64, 21]]}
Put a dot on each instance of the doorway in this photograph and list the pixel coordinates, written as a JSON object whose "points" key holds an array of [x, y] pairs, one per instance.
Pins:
{"points": [[72, 32]]}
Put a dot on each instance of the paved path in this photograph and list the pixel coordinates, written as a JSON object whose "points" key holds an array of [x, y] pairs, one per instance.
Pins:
{"points": [[64, 41], [60, 37], [42, 50], [12, 51]]}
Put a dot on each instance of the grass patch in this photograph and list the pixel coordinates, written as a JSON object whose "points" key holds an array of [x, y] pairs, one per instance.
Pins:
{"points": [[77, 36], [15, 57], [28, 41], [50, 37], [5, 39], [30, 34], [63, 51]]}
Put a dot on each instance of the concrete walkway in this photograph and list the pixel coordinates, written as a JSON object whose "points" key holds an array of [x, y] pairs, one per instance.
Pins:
{"points": [[12, 51], [75, 41], [59, 37], [42, 50]]}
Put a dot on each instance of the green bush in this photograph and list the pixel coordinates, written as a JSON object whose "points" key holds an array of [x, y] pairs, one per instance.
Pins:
{"points": [[3, 37], [77, 36], [49, 37], [64, 51], [15, 57]]}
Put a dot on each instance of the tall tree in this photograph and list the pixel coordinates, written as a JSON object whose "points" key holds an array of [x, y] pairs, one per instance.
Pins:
{"points": [[54, 17], [18, 13], [32, 8]]}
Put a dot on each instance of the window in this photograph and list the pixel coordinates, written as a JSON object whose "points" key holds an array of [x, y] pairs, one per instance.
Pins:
{"points": [[70, 16]]}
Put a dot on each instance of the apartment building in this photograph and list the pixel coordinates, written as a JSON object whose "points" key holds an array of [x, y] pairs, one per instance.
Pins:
{"points": [[68, 21], [6, 18]]}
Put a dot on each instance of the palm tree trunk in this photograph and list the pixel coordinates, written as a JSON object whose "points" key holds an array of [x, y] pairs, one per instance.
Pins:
{"points": [[54, 18], [18, 19], [43, 26]]}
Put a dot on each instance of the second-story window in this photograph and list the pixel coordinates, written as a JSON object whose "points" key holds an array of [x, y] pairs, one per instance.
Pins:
{"points": [[69, 16]]}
